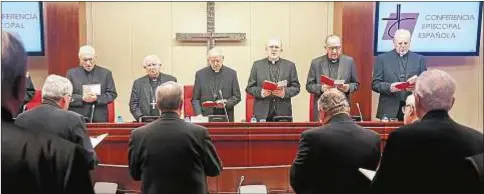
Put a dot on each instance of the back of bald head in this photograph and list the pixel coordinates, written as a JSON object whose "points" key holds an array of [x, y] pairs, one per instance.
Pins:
{"points": [[333, 102], [169, 96], [14, 62]]}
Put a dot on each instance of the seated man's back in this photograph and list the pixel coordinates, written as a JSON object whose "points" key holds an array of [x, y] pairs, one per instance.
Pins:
{"points": [[329, 157], [172, 156], [40, 163]]}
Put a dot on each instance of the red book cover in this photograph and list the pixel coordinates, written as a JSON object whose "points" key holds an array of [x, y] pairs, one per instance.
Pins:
{"points": [[208, 104], [268, 85], [404, 85], [326, 80]]}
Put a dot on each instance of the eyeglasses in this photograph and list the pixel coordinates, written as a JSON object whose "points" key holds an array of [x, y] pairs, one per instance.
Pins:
{"points": [[152, 65], [87, 59], [334, 47], [405, 108]]}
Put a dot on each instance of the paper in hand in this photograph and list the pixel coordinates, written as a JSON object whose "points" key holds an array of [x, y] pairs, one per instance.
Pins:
{"points": [[91, 89], [368, 173], [96, 140]]}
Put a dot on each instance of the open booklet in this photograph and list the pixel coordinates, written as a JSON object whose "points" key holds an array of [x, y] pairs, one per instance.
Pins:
{"points": [[96, 140], [368, 173], [328, 81], [409, 83], [268, 85]]}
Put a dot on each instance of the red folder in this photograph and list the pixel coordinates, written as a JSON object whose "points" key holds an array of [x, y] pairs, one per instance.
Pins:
{"points": [[209, 104], [404, 85], [268, 85], [326, 80]]}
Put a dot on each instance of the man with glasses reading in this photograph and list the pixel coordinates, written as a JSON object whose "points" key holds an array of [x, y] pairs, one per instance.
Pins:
{"points": [[143, 99], [93, 87], [333, 65], [52, 116]]}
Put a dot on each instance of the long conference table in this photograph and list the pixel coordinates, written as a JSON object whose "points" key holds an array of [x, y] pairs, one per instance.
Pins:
{"points": [[261, 152]]}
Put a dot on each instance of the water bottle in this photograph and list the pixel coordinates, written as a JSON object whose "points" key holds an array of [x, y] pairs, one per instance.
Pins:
{"points": [[253, 119], [385, 118], [119, 119]]}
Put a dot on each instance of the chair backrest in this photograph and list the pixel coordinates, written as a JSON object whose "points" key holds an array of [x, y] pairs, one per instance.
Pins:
{"points": [[111, 112], [36, 100], [187, 101], [249, 107], [311, 107]]}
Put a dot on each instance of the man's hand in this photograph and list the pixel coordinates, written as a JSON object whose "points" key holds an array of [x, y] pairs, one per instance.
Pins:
{"points": [[344, 87], [393, 88], [265, 93], [220, 103], [279, 92], [89, 98], [325, 87]]}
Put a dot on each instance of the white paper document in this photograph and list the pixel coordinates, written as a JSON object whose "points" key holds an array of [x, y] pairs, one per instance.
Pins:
{"points": [[339, 82], [252, 189], [92, 88], [199, 119], [96, 140], [368, 173], [282, 83]]}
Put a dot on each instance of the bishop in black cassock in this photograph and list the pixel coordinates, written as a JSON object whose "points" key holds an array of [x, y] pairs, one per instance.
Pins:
{"points": [[143, 99], [90, 74], [216, 82]]}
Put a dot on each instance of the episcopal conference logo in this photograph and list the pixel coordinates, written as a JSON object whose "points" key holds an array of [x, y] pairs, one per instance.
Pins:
{"points": [[399, 20]]}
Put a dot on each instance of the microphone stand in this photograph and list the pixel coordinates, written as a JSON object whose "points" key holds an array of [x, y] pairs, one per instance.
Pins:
{"points": [[224, 102]]}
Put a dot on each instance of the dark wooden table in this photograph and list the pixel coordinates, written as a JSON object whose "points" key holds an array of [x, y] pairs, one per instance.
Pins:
{"points": [[261, 152]]}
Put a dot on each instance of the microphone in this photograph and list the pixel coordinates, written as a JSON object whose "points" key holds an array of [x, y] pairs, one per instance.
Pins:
{"points": [[92, 112], [225, 108], [240, 183], [359, 111]]}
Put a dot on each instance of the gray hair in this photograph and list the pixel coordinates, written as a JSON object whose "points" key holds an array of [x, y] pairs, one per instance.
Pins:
{"points": [[169, 96], [151, 58], [55, 87], [403, 33], [14, 60], [410, 101], [215, 52], [330, 37], [333, 102], [86, 50], [435, 90]]}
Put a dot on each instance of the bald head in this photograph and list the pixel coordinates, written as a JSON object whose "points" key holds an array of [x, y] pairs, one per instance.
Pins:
{"points": [[434, 90], [401, 41], [14, 62], [169, 96]]}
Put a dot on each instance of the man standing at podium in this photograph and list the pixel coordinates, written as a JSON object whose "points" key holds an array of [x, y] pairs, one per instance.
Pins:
{"points": [[170, 155], [217, 83], [143, 101], [93, 87], [335, 66], [277, 102], [393, 68]]}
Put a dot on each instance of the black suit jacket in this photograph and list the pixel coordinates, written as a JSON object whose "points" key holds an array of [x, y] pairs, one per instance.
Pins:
{"points": [[387, 71], [329, 157], [141, 95], [202, 90], [50, 118], [102, 76], [320, 66], [428, 156], [172, 156], [39, 163], [259, 73]]}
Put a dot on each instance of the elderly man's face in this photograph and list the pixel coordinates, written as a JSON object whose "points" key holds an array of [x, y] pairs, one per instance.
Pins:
{"points": [[152, 68], [401, 44], [216, 62], [333, 48], [88, 62], [409, 114], [274, 50]]}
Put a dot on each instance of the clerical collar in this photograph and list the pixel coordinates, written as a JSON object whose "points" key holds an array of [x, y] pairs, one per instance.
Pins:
{"points": [[398, 54], [220, 70], [155, 78], [273, 62], [332, 61], [88, 72]]}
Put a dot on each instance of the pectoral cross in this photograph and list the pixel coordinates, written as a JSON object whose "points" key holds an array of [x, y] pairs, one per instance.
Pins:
{"points": [[210, 36], [153, 104]]}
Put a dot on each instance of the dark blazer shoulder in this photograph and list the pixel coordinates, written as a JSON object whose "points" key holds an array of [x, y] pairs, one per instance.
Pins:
{"points": [[346, 57], [230, 70], [318, 60], [290, 63], [139, 80], [103, 69], [168, 76]]}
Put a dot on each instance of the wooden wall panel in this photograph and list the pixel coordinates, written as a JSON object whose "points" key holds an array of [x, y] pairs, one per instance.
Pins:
{"points": [[62, 24], [357, 39]]}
